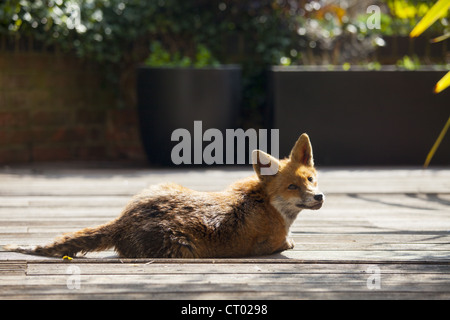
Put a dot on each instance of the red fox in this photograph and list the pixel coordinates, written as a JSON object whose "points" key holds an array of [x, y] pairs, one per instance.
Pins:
{"points": [[251, 217]]}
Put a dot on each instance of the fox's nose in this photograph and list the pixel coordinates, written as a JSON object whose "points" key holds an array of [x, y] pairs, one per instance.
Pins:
{"points": [[319, 197]]}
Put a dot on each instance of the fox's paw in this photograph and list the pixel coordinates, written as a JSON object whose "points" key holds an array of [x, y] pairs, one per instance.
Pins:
{"points": [[290, 244]]}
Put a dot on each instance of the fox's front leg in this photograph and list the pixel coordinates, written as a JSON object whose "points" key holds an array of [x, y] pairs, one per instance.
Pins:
{"points": [[287, 244]]}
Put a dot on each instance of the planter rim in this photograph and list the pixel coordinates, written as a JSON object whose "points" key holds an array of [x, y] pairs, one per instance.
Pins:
{"points": [[338, 68], [219, 67]]}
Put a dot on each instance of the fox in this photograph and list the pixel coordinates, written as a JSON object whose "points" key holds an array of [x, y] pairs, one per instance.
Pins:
{"points": [[251, 217]]}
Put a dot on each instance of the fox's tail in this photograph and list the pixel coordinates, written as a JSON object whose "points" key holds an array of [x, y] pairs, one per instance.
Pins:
{"points": [[86, 240]]}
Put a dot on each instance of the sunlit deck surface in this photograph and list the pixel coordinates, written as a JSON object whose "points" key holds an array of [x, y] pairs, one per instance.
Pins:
{"points": [[383, 233]]}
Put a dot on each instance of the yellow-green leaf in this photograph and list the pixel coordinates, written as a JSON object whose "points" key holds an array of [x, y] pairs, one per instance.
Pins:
{"points": [[437, 143], [443, 83], [437, 11], [441, 38]]}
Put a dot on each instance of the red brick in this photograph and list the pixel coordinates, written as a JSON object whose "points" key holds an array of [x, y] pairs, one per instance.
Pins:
{"points": [[15, 99], [23, 60], [127, 134], [62, 134], [39, 98], [51, 153], [3, 99], [90, 152], [96, 133], [37, 63], [14, 137], [10, 119], [51, 117], [58, 134], [127, 152], [64, 80], [56, 111], [14, 155], [67, 63], [90, 116], [124, 117], [17, 82]]}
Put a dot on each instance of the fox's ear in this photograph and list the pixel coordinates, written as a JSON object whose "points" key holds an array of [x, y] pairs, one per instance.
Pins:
{"points": [[264, 164], [302, 151]]}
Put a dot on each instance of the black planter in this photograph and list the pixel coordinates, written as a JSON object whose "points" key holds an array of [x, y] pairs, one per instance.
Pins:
{"points": [[173, 98], [383, 117]]}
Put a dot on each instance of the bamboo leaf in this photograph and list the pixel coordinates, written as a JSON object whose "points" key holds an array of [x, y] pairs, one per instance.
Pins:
{"points": [[441, 38], [443, 83], [437, 11], [437, 143]]}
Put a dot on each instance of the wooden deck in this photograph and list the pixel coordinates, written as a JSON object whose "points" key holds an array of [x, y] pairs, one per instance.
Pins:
{"points": [[382, 234]]}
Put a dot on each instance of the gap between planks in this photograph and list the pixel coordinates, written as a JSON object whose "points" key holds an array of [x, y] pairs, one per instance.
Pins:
{"points": [[221, 261]]}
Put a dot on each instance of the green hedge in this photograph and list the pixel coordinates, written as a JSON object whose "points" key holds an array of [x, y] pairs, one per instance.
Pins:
{"points": [[119, 34]]}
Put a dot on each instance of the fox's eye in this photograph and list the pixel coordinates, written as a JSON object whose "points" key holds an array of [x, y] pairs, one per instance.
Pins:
{"points": [[292, 187], [310, 179]]}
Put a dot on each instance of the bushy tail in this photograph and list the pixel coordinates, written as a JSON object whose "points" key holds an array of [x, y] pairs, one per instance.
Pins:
{"points": [[86, 240]]}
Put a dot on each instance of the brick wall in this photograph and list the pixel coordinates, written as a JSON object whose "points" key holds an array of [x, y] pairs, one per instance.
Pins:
{"points": [[55, 107]]}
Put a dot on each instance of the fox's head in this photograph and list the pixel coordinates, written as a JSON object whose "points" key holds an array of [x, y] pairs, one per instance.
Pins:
{"points": [[291, 183]]}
